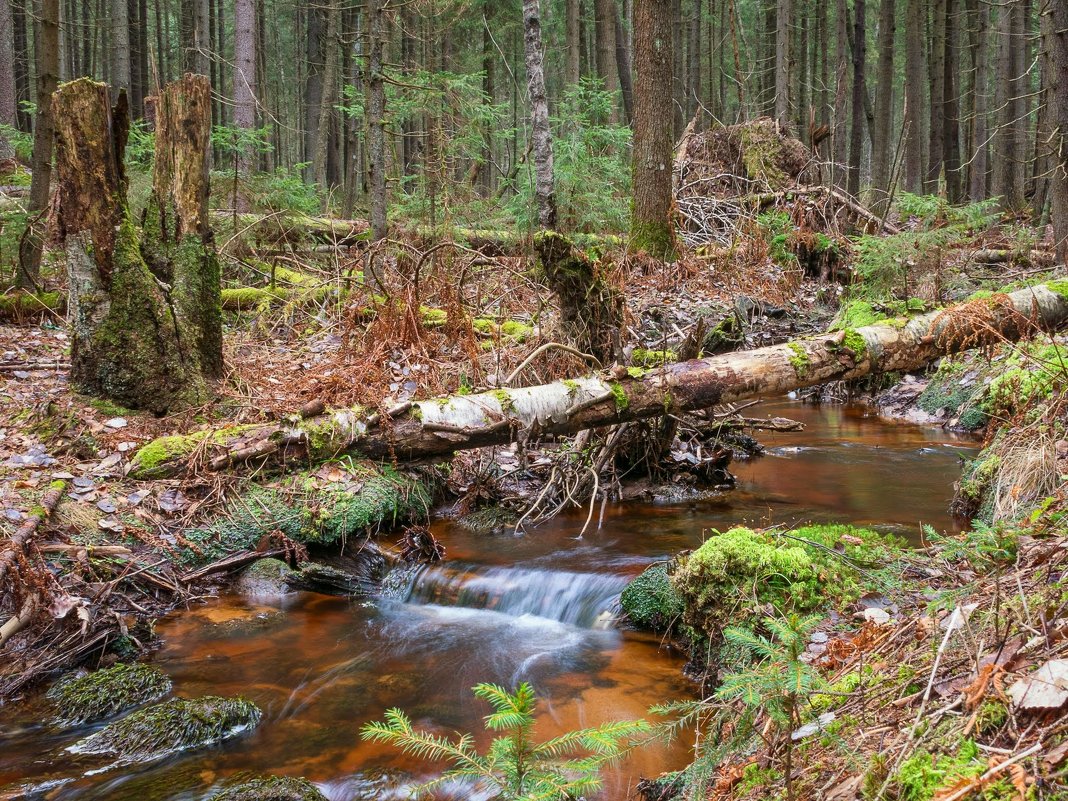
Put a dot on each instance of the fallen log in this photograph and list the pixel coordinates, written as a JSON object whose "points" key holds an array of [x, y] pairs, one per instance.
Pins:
{"points": [[436, 428]]}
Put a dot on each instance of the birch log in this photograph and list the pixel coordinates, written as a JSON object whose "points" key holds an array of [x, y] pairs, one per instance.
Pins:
{"points": [[436, 428]]}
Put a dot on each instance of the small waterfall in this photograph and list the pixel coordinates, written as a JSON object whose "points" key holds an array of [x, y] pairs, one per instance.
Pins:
{"points": [[580, 599]]}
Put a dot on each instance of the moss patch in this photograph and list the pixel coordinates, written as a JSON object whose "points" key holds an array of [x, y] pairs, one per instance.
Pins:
{"points": [[269, 788], [650, 601], [643, 357], [105, 693], [734, 575], [176, 725], [800, 359]]}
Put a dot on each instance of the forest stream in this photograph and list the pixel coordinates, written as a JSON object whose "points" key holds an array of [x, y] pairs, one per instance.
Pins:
{"points": [[500, 609]]}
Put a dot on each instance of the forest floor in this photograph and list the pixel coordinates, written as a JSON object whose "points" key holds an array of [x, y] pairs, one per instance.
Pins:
{"points": [[925, 694]]}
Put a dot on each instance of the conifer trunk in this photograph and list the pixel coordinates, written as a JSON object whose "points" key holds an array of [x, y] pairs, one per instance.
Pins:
{"points": [[541, 135]]}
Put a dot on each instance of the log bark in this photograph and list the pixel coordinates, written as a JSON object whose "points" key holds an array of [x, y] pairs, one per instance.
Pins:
{"points": [[436, 428]]}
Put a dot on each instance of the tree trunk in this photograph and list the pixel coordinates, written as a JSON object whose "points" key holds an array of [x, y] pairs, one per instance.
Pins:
{"points": [[856, 134], [326, 112], [651, 227], [200, 61], [572, 26], [47, 52], [915, 60], [693, 58], [21, 65], [127, 345], [244, 82], [840, 124], [951, 104], [178, 239], [783, 62], [605, 19], [626, 83], [376, 112], [119, 48], [1007, 102], [937, 76], [541, 135], [436, 428], [979, 170], [884, 109], [7, 77], [313, 86], [1055, 26]]}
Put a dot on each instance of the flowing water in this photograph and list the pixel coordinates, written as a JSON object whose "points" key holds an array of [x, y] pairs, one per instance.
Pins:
{"points": [[502, 609]]}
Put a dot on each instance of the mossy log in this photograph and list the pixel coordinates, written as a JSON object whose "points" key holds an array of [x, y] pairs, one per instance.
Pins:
{"points": [[435, 428], [127, 343], [269, 788]]}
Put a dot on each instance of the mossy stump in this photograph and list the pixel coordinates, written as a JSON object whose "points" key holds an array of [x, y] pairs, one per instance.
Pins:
{"points": [[269, 788]]}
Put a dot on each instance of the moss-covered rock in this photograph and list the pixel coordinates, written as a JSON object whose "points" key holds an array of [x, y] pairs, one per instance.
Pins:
{"points": [[265, 578], [176, 725], [105, 693], [650, 601], [269, 788], [735, 575]]}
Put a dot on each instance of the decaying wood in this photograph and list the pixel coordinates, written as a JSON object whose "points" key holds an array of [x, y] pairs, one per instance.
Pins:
{"points": [[435, 428], [229, 563], [21, 538], [768, 198]]}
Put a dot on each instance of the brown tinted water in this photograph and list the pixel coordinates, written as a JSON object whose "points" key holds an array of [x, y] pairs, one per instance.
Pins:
{"points": [[502, 609]]}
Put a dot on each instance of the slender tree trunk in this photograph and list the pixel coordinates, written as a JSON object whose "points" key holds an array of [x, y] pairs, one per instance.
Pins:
{"points": [[119, 48], [21, 65], [7, 77], [623, 62], [651, 227], [605, 14], [937, 76], [693, 56], [980, 169], [201, 37], [326, 112], [800, 80], [376, 112], [783, 62], [137, 77], [541, 135], [915, 72], [1006, 101], [46, 49], [1055, 26], [881, 155], [856, 135], [245, 90], [951, 105], [573, 32], [678, 70], [313, 91], [840, 124]]}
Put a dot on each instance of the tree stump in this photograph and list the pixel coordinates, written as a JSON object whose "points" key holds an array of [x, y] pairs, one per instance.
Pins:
{"points": [[128, 342], [178, 243]]}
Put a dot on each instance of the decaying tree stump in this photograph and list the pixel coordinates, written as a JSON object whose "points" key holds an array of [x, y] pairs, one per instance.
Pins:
{"points": [[590, 309], [146, 311], [178, 243], [435, 428]]}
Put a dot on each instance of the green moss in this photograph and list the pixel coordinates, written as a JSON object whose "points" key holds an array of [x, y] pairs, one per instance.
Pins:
{"points": [[858, 313], [735, 574], [107, 408], [653, 358], [17, 304], [854, 341], [655, 237], [153, 459], [433, 318], [921, 775], [992, 716], [247, 787], [172, 726], [504, 398], [513, 330], [1059, 287], [650, 601], [620, 396], [755, 777], [946, 392], [800, 359], [105, 693]]}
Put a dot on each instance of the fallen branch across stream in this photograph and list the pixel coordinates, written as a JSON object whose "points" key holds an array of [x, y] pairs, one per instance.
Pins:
{"points": [[436, 428]]}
